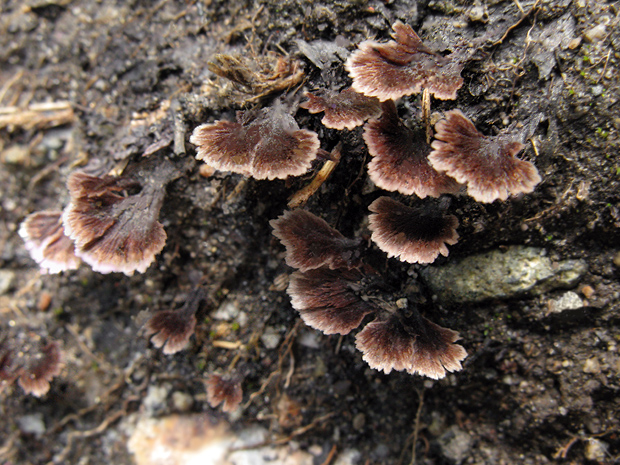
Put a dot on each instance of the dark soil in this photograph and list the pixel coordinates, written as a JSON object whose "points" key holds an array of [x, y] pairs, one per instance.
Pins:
{"points": [[535, 388]]}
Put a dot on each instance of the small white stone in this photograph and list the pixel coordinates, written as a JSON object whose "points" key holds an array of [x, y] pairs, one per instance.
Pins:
{"points": [[596, 34], [595, 450], [569, 301], [229, 310], [182, 401], [32, 424], [270, 338], [592, 366]]}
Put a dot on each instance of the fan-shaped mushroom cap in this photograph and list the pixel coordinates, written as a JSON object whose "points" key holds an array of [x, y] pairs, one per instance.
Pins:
{"points": [[35, 378], [400, 160], [426, 348], [171, 330], [403, 67], [412, 234], [347, 109], [114, 230], [312, 243], [224, 389], [487, 165], [47, 243], [329, 300], [264, 145]]}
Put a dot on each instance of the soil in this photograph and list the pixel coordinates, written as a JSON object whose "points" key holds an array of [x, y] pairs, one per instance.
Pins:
{"points": [[121, 76]]}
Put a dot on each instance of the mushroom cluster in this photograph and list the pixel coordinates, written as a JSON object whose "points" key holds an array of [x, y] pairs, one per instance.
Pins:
{"points": [[110, 222], [334, 290], [405, 160]]}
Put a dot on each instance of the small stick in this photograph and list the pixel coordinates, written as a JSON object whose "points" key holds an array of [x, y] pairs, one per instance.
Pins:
{"points": [[426, 114], [299, 198]]}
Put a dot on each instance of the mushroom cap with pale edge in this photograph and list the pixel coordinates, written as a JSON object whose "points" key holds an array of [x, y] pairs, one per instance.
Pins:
{"points": [[329, 300], [400, 158], [487, 165], [267, 146], [427, 349], [403, 67], [113, 231], [345, 110], [47, 243], [223, 389], [170, 330], [312, 243], [412, 234], [36, 378]]}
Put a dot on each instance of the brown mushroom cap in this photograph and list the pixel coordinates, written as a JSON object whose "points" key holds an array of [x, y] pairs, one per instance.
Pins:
{"points": [[312, 243], [487, 165], [412, 234], [224, 389], [171, 329], [45, 239], [400, 158], [403, 67], [347, 109], [426, 348], [113, 229], [264, 145], [35, 378], [329, 300]]}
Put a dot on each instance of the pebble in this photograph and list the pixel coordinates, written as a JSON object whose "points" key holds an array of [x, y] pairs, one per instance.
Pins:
{"points": [[455, 444], [309, 339], [596, 450], [270, 338], [501, 274], [15, 155], [587, 291], [227, 311], [592, 366], [182, 401], [185, 439], [596, 34], [7, 278], [348, 457], [155, 399], [32, 424], [359, 421], [569, 301]]}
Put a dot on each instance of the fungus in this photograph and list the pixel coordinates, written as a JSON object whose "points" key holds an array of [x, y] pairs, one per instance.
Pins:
{"points": [[415, 234], [311, 243], [113, 220], [264, 144], [400, 158], [414, 344], [35, 377], [402, 67], [487, 165], [347, 109], [330, 300], [170, 330], [45, 239], [224, 389]]}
